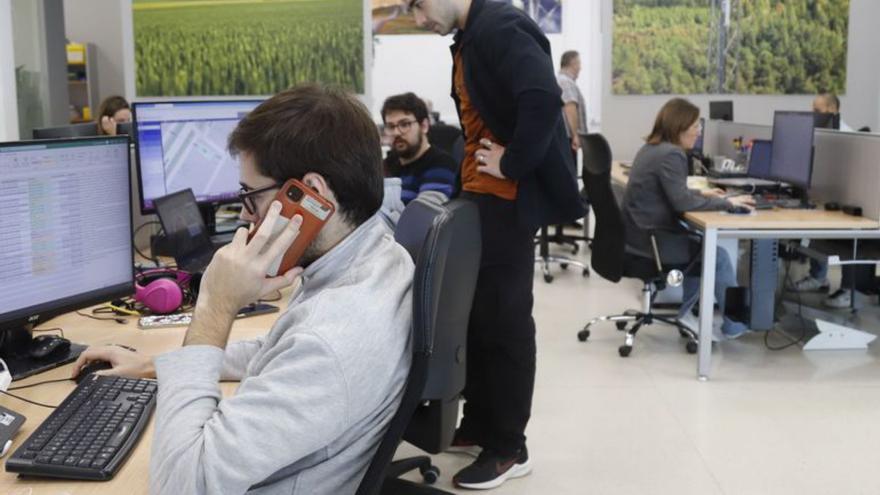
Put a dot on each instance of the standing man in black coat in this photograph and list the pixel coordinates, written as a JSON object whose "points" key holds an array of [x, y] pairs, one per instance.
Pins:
{"points": [[517, 170]]}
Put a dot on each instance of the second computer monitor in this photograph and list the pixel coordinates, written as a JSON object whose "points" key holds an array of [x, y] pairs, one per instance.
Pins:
{"points": [[721, 110], [759, 158], [791, 157], [182, 145]]}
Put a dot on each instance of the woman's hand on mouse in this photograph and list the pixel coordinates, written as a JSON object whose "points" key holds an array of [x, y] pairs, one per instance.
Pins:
{"points": [[745, 200], [125, 362]]}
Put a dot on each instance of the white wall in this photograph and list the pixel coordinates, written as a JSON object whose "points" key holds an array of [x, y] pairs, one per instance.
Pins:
{"points": [[8, 103], [423, 64], [627, 119]]}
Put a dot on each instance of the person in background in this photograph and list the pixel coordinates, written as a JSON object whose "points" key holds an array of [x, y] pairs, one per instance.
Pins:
{"points": [[829, 103], [574, 107], [420, 166], [113, 110], [657, 195], [516, 169]]}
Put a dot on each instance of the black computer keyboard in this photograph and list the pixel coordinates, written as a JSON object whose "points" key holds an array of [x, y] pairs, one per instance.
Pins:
{"points": [[92, 431], [765, 203]]}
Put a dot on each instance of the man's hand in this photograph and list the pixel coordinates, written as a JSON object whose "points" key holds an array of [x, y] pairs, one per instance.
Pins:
{"points": [[490, 159], [575, 143], [125, 362], [236, 277]]}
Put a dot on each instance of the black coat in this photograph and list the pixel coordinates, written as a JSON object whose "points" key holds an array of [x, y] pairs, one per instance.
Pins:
{"points": [[509, 76]]}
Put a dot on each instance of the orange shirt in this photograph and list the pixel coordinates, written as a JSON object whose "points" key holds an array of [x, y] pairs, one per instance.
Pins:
{"points": [[475, 130]]}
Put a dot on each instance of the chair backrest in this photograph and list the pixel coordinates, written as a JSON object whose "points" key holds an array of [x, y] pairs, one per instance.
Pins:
{"points": [[444, 241], [609, 236], [443, 136], [67, 131]]}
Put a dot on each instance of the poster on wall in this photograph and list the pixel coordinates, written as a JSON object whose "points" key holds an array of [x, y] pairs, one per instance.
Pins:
{"points": [[246, 47], [389, 16], [729, 46]]}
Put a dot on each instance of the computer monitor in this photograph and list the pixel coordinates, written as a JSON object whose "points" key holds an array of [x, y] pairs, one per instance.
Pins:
{"points": [[791, 157], [65, 237], [759, 158], [67, 131], [182, 145], [185, 230], [123, 128], [827, 120], [721, 110]]}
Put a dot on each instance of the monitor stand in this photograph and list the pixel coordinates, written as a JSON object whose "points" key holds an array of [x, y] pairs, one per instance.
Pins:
{"points": [[14, 351]]}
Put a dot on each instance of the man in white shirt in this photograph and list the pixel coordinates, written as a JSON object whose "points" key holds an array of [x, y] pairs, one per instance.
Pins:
{"points": [[575, 108], [829, 103]]}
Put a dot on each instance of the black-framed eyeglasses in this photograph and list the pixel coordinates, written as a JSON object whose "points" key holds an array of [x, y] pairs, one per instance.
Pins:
{"points": [[246, 196], [403, 125], [411, 4]]}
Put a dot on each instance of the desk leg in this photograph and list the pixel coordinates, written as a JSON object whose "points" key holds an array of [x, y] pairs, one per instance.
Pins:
{"points": [[707, 298]]}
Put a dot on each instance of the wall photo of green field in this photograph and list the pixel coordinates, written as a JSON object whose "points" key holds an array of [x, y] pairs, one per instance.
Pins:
{"points": [[246, 47], [729, 46]]}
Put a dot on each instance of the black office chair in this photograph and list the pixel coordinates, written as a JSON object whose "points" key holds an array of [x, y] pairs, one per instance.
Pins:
{"points": [[613, 260], [67, 131], [545, 238], [445, 243]]}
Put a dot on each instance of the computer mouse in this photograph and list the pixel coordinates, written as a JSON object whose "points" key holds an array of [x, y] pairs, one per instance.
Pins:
{"points": [[91, 368], [44, 345], [739, 210]]}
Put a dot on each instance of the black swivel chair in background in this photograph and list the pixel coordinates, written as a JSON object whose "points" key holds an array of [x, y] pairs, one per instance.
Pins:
{"points": [[444, 242], [613, 260], [67, 131]]}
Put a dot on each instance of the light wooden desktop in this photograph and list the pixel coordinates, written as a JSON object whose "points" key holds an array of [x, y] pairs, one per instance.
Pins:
{"points": [[763, 224], [133, 477]]}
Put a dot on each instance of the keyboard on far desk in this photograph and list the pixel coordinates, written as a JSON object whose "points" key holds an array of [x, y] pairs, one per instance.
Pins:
{"points": [[767, 203], [91, 433]]}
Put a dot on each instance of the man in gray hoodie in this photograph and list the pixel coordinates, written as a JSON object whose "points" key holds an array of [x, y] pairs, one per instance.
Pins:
{"points": [[319, 389]]}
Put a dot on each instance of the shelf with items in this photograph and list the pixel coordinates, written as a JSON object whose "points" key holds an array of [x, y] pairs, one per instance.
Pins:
{"points": [[82, 81]]}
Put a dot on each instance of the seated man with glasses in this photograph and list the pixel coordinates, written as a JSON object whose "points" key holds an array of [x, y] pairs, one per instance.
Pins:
{"points": [[320, 388], [420, 166]]}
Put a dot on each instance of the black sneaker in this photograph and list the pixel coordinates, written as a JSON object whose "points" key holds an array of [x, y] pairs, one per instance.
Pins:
{"points": [[490, 470], [463, 445]]}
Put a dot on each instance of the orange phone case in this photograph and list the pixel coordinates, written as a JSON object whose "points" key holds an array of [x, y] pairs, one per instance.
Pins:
{"points": [[297, 198]]}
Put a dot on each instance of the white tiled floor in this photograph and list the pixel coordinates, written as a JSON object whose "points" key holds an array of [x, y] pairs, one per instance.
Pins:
{"points": [[768, 423]]}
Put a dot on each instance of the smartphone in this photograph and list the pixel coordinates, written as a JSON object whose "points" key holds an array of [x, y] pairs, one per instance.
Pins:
{"points": [[297, 199]]}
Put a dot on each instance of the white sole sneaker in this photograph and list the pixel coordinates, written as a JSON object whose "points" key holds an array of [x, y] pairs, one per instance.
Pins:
{"points": [[517, 471]]}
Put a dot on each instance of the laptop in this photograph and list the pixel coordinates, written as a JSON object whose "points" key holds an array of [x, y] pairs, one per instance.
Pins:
{"points": [[758, 168], [185, 230]]}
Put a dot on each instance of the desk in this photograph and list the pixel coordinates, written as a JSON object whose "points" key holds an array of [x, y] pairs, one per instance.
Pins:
{"points": [[133, 477], [764, 224]]}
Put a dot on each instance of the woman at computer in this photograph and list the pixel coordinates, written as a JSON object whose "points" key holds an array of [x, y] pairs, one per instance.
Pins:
{"points": [[657, 196], [113, 110]]}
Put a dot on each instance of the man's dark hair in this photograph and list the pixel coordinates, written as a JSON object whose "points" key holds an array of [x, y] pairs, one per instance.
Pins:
{"points": [[317, 129], [408, 103], [568, 57]]}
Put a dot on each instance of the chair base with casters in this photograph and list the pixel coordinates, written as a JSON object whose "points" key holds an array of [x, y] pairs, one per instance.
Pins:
{"points": [[394, 485], [546, 259], [635, 320]]}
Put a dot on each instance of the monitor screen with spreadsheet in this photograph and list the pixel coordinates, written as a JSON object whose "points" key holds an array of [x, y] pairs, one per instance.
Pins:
{"points": [[65, 226], [182, 145]]}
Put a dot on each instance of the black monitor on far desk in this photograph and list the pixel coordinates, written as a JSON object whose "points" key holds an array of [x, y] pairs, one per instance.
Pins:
{"points": [[791, 155], [721, 110], [65, 238]]}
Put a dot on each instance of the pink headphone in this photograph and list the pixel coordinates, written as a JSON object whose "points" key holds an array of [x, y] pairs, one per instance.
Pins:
{"points": [[161, 290]]}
